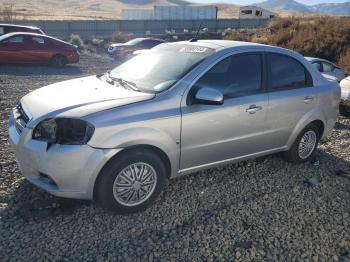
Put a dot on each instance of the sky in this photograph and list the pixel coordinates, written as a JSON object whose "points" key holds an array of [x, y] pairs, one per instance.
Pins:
{"points": [[247, 2]]}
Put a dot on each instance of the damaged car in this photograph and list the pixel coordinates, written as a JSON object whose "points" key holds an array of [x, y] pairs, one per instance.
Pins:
{"points": [[118, 137]]}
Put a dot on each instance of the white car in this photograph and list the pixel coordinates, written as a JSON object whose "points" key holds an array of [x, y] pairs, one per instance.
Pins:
{"points": [[327, 68], [345, 95]]}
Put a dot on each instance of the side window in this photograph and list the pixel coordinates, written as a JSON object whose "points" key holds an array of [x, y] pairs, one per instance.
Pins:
{"points": [[2, 30], [327, 67], [287, 73], [15, 40], [235, 76]]}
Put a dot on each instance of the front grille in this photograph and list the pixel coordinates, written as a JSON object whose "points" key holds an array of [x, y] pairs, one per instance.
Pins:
{"points": [[20, 117]]}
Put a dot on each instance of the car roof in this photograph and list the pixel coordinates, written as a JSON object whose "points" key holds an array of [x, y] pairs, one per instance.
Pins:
{"points": [[23, 26], [31, 34], [219, 44]]}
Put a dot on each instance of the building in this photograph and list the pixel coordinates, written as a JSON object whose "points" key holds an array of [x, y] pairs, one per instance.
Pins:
{"points": [[180, 12], [255, 12]]}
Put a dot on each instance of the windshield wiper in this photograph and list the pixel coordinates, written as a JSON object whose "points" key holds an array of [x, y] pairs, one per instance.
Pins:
{"points": [[124, 83]]}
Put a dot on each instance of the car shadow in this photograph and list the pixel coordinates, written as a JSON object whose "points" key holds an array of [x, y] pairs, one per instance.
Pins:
{"points": [[32, 70]]}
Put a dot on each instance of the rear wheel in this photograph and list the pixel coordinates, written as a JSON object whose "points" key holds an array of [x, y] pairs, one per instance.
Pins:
{"points": [[304, 147], [131, 182], [58, 61]]}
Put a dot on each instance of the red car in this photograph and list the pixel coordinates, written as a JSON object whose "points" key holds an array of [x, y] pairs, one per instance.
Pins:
{"points": [[124, 51], [30, 48]]}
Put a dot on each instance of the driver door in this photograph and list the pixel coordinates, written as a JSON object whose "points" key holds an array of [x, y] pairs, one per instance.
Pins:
{"points": [[238, 127]]}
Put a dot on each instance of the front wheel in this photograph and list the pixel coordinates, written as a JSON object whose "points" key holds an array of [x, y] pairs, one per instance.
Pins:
{"points": [[131, 182], [304, 147]]}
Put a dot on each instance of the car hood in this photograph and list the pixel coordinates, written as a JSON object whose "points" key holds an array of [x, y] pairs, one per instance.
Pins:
{"points": [[78, 97]]}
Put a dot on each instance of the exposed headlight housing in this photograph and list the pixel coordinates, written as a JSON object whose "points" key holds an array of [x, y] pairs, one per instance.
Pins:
{"points": [[67, 131]]}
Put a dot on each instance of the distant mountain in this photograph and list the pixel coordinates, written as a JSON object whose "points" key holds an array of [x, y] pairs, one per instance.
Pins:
{"points": [[285, 5], [294, 6], [332, 9]]}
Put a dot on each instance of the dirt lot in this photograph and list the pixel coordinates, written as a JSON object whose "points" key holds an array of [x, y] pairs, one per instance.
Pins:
{"points": [[261, 209]]}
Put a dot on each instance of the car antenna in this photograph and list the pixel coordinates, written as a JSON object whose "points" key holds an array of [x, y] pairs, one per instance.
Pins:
{"points": [[195, 39]]}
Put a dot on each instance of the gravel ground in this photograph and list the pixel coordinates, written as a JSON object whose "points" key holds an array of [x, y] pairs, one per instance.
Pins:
{"points": [[264, 209]]}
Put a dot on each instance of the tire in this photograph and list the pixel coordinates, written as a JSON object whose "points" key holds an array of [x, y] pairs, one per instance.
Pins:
{"points": [[309, 133], [117, 172], [344, 111], [58, 61]]}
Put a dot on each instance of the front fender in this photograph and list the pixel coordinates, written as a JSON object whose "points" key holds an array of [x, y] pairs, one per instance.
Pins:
{"points": [[136, 136]]}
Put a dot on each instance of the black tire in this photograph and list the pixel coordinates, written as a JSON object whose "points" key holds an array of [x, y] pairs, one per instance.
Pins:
{"points": [[344, 111], [292, 155], [58, 61], [105, 184]]}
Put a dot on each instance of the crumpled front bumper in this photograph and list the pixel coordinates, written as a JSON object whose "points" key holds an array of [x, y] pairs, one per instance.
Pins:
{"points": [[62, 170]]}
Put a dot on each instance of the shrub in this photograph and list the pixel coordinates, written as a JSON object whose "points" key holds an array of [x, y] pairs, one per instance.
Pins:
{"points": [[324, 37], [77, 40], [121, 37], [97, 42], [344, 61], [7, 11]]}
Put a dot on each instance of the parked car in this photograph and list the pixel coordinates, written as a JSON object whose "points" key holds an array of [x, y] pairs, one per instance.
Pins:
{"points": [[175, 109], [345, 96], [9, 28], [30, 48], [327, 68], [126, 50]]}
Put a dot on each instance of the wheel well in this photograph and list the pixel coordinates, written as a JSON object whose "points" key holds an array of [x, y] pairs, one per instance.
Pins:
{"points": [[154, 149], [320, 126], [56, 55]]}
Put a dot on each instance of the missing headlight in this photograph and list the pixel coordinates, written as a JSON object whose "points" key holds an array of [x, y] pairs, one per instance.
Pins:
{"points": [[66, 131]]}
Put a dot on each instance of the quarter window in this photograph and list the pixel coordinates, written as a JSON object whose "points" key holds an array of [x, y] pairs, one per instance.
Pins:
{"points": [[318, 66], [287, 73], [235, 76], [38, 40], [327, 67]]}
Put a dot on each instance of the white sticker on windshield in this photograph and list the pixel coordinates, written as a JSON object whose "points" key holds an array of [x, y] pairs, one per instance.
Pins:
{"points": [[193, 49]]}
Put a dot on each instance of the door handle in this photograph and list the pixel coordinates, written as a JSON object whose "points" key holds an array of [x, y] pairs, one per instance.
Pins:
{"points": [[253, 109], [308, 99]]}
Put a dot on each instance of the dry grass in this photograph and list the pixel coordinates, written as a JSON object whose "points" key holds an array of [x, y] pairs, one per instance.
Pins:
{"points": [[325, 37]]}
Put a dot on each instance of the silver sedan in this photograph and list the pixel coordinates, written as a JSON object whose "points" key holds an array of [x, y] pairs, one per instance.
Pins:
{"points": [[176, 109]]}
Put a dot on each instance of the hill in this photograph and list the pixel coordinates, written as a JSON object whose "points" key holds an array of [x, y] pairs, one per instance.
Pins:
{"points": [[294, 6], [78, 10]]}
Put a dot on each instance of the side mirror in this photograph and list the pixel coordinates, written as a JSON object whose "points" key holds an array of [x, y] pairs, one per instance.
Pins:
{"points": [[209, 96]]}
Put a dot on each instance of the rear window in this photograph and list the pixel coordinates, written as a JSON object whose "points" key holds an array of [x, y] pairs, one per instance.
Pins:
{"points": [[13, 29]]}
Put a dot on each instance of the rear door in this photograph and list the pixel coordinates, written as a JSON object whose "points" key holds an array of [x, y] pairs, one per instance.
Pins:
{"points": [[38, 49], [214, 133], [291, 96]]}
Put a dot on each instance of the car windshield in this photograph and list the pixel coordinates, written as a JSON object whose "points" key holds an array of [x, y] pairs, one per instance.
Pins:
{"points": [[161, 67], [134, 41]]}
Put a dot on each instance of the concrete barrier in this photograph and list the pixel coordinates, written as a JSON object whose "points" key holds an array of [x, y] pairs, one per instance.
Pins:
{"points": [[105, 28]]}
